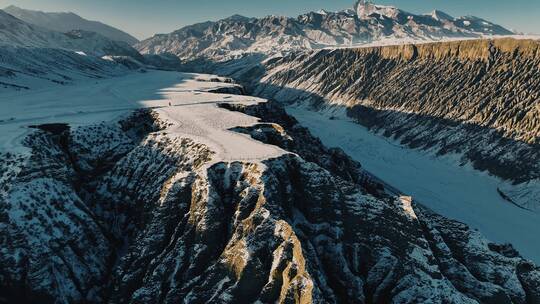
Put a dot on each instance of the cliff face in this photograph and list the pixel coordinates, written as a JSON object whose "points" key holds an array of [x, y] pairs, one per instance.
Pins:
{"points": [[128, 213], [471, 50], [477, 98]]}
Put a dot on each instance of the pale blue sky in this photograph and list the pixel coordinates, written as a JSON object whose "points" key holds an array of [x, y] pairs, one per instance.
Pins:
{"points": [[143, 18]]}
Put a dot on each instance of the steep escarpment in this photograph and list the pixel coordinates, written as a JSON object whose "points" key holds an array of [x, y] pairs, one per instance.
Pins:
{"points": [[129, 212], [476, 98]]}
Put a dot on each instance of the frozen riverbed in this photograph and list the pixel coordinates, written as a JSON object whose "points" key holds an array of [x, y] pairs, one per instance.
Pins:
{"points": [[460, 193]]}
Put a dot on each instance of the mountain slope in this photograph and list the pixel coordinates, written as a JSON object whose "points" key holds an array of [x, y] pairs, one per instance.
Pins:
{"points": [[34, 57], [98, 45], [477, 99], [31, 68], [237, 35], [17, 33], [67, 22]]}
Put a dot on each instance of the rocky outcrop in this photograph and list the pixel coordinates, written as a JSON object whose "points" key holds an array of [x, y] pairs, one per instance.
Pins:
{"points": [[128, 213]]}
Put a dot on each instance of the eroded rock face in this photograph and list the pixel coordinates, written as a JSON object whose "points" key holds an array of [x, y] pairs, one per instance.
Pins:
{"points": [[478, 99], [125, 213]]}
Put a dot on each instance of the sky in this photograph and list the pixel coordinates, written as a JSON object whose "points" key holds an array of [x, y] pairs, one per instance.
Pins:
{"points": [[144, 18]]}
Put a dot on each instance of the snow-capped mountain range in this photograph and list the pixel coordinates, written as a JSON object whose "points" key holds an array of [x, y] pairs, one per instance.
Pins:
{"points": [[366, 23], [66, 22]]}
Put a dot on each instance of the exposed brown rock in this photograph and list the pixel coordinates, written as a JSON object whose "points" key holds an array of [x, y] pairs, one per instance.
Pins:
{"points": [[480, 98]]}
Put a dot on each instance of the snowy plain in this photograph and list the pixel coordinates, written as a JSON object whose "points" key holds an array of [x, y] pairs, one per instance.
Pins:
{"points": [[457, 192]]}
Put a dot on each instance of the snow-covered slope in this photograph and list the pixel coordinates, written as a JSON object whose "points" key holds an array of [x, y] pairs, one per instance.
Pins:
{"points": [[199, 201], [98, 45], [67, 22], [237, 35], [34, 68], [17, 33], [34, 57]]}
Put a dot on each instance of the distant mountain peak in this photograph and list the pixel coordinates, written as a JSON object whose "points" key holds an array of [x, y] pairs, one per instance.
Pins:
{"points": [[5, 14], [20, 34], [365, 8], [440, 15], [237, 17], [11, 7], [323, 12], [68, 21]]}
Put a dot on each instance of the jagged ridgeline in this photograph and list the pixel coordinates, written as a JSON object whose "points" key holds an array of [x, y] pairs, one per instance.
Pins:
{"points": [[480, 98], [368, 22]]}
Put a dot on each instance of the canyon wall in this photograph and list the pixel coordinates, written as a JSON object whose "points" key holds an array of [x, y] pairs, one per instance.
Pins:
{"points": [[479, 99]]}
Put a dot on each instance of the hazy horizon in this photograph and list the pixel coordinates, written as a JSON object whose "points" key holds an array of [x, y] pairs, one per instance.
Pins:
{"points": [[144, 19]]}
